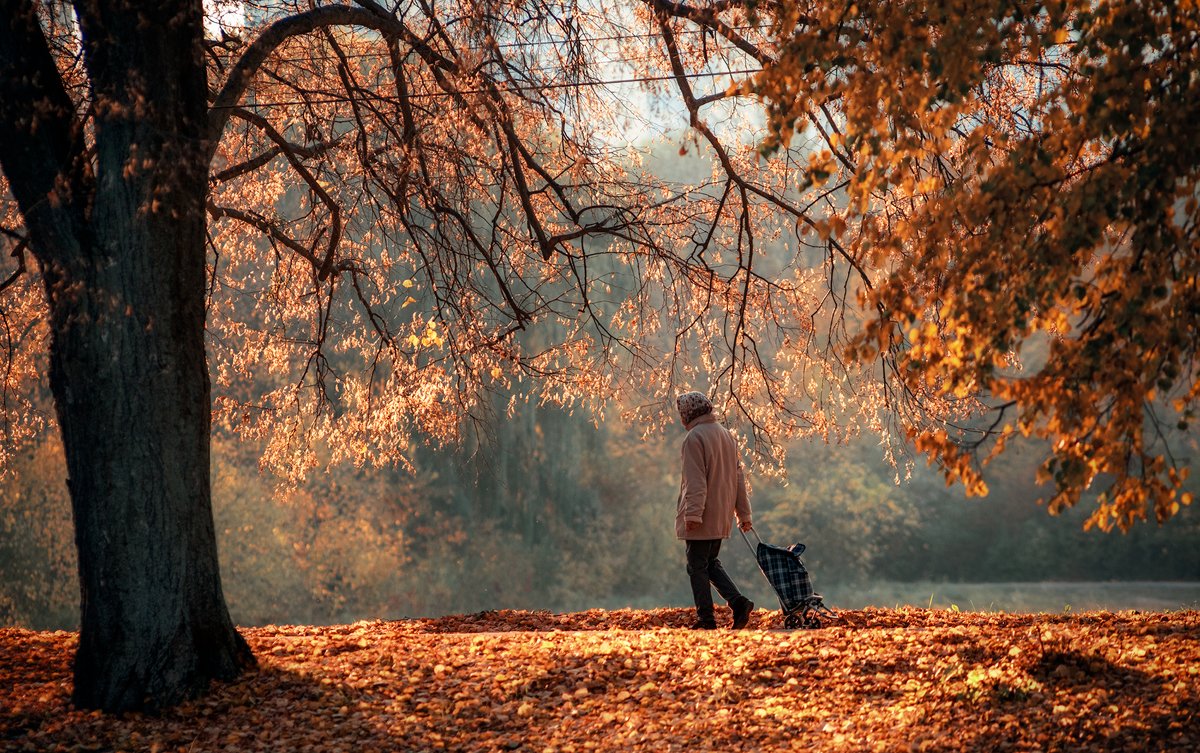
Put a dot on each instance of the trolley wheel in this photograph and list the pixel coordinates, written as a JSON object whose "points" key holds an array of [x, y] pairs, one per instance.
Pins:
{"points": [[793, 621], [809, 618]]}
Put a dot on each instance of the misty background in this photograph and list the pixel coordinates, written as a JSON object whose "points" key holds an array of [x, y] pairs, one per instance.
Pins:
{"points": [[544, 509]]}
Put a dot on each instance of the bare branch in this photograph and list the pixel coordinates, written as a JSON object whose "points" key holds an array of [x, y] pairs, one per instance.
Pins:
{"points": [[40, 145], [18, 253], [335, 210], [279, 32], [254, 163], [271, 229]]}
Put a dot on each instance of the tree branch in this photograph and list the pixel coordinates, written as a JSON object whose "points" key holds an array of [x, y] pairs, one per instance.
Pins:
{"points": [[370, 16], [708, 18], [40, 151], [20, 244], [252, 164], [266, 226], [335, 210]]}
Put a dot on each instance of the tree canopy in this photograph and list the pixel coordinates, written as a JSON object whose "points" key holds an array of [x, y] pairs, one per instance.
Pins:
{"points": [[971, 220], [1021, 178]]}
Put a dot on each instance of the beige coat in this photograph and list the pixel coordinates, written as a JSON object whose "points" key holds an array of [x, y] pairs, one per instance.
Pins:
{"points": [[713, 488]]}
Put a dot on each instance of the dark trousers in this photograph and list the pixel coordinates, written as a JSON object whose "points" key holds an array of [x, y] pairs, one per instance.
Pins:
{"points": [[706, 573]]}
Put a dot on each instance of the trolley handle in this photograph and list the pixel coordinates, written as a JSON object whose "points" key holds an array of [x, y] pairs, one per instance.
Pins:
{"points": [[747, 540]]}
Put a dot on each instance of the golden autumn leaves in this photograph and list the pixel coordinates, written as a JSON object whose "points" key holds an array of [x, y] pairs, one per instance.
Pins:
{"points": [[973, 222], [1020, 191], [632, 680]]}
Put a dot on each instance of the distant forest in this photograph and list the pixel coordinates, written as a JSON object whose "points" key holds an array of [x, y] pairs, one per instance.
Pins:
{"points": [[547, 510]]}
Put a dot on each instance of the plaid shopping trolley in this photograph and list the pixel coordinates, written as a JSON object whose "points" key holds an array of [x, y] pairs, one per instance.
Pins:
{"points": [[785, 571]]}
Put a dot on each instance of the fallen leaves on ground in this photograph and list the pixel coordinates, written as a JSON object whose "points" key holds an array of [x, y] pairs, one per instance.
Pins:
{"points": [[878, 680]]}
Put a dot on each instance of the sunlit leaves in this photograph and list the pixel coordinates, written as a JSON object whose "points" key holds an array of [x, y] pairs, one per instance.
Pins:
{"points": [[963, 219], [634, 680], [1027, 176], [494, 236], [23, 334]]}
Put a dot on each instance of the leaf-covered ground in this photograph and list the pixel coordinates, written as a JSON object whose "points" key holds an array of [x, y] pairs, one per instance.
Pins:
{"points": [[882, 680]]}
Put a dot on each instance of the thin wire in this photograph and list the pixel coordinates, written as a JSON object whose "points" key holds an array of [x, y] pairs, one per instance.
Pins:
{"points": [[610, 61], [511, 45], [632, 60], [363, 55], [505, 89]]}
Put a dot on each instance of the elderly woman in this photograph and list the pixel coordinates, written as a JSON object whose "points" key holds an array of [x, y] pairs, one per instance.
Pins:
{"points": [[712, 492]]}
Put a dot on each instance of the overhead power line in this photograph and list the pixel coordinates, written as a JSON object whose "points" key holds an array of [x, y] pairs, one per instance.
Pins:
{"points": [[549, 42], [511, 89]]}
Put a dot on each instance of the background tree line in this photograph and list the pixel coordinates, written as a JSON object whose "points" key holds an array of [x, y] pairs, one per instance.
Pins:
{"points": [[545, 510]]}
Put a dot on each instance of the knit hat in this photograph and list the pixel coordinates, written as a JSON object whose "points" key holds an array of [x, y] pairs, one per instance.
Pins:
{"points": [[692, 405]]}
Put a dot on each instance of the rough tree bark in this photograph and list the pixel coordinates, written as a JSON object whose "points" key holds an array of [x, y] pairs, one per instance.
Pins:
{"points": [[119, 235]]}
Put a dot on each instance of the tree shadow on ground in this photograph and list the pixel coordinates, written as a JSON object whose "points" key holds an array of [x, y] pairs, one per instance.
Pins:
{"points": [[1078, 702], [267, 709]]}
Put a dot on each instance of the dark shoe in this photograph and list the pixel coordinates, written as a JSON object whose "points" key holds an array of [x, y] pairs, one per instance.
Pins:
{"points": [[703, 625], [741, 613]]}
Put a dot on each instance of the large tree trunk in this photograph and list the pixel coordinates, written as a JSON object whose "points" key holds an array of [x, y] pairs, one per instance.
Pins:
{"points": [[124, 269], [131, 388]]}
